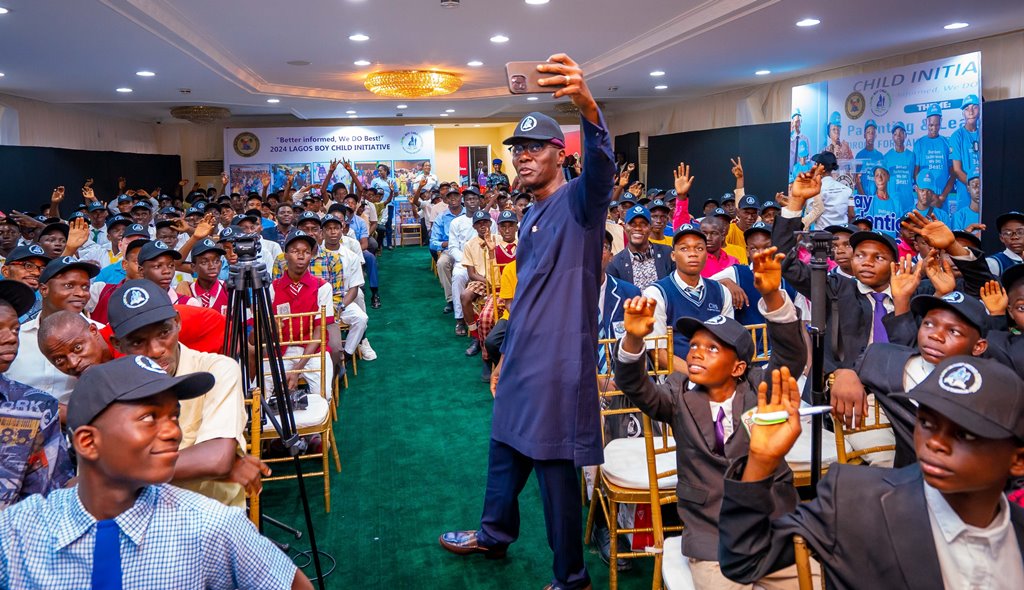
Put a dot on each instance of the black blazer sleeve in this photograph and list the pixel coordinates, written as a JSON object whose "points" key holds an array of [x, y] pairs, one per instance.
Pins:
{"points": [[664, 264], [654, 399], [975, 273], [901, 329], [789, 349], [796, 273], [616, 268]]}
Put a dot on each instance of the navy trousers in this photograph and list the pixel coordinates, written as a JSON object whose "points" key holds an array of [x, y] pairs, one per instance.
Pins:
{"points": [[371, 269], [507, 472]]}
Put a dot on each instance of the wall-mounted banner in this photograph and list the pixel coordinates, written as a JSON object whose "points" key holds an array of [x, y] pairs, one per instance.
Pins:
{"points": [[306, 152], [905, 138]]}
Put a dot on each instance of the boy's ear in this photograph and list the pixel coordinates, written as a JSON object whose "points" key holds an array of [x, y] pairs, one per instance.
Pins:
{"points": [[980, 347], [1017, 463], [739, 369], [85, 441]]}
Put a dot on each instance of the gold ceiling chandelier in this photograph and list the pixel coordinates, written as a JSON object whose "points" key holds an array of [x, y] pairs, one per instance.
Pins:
{"points": [[200, 113], [412, 83]]}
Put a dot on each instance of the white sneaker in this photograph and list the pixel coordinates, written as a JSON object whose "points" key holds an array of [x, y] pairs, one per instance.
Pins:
{"points": [[365, 352]]}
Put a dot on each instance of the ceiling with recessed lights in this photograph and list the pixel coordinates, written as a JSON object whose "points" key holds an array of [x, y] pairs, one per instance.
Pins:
{"points": [[307, 60]]}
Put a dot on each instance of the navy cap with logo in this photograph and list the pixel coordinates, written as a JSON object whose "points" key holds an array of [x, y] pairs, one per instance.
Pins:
{"points": [[710, 200], [1011, 276], [726, 330], [507, 216], [59, 266], [329, 219], [671, 195], [719, 212], [613, 204], [627, 198], [1009, 216], [18, 295], [307, 216], [481, 216], [118, 220], [537, 126], [298, 234], [138, 303], [124, 199], [638, 211], [876, 236], [206, 245], [169, 211], [26, 252], [687, 229], [231, 232], [982, 396], [193, 211], [758, 227], [79, 215], [659, 204], [770, 205], [156, 249], [843, 228], [749, 202], [127, 379], [654, 192], [470, 190], [965, 306], [142, 205], [136, 229], [55, 226], [95, 206], [238, 219], [166, 223], [728, 197]]}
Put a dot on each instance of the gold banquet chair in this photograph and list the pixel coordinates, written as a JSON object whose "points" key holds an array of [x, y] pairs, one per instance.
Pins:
{"points": [[853, 445], [316, 418], [804, 573], [759, 336], [253, 447], [635, 470]]}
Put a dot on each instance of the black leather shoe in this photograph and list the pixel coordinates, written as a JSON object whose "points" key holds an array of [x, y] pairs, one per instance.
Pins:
{"points": [[602, 539], [465, 543], [474, 348], [449, 308], [375, 301], [461, 329]]}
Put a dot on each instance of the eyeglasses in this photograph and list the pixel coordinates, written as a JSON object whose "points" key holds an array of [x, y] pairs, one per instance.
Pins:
{"points": [[1012, 233], [29, 266], [534, 147]]}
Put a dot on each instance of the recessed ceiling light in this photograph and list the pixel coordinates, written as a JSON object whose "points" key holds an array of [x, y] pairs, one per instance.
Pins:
{"points": [[660, 87], [444, 114], [353, 116], [361, 62], [476, 63], [350, 112], [808, 22], [477, 125], [1, 74], [762, 72], [955, 26], [499, 39], [536, 1], [531, 98], [3, 10], [145, 73], [657, 73], [273, 100], [402, 106], [449, 110], [124, 90], [358, 37]]}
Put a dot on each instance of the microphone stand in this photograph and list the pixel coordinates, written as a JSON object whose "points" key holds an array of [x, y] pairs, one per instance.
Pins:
{"points": [[821, 246]]}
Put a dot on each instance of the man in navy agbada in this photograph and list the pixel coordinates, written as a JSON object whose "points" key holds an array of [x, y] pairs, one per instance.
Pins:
{"points": [[546, 408]]}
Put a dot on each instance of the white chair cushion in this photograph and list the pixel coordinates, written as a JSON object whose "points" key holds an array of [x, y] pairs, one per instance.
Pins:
{"points": [[675, 567], [314, 414], [625, 463], [799, 457]]}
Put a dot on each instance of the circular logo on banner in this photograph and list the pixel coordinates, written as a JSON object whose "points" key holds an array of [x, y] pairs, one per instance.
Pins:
{"points": [[527, 123], [412, 142], [855, 105], [880, 102], [960, 378], [149, 364], [135, 298], [246, 144]]}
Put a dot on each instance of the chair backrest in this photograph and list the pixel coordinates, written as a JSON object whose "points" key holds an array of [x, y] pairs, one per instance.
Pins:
{"points": [[759, 336], [254, 446], [609, 348], [494, 280], [301, 329], [872, 422]]}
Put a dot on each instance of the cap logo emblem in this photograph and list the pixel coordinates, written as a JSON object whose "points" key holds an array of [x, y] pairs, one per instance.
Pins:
{"points": [[35, 249], [135, 298], [209, 243], [160, 245], [638, 209], [149, 364], [715, 321], [68, 260], [960, 378], [527, 123], [954, 297]]}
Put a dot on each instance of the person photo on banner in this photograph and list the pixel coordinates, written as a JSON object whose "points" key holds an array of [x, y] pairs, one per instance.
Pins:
{"points": [[965, 146], [835, 143], [795, 137], [802, 163], [932, 153], [900, 162], [868, 158], [883, 211]]}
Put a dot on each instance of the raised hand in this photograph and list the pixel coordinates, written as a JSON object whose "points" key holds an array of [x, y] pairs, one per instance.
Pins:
{"points": [[634, 189], [568, 74], [180, 226], [768, 270], [993, 295], [88, 194], [937, 234], [638, 316], [976, 228], [183, 182], [737, 167], [265, 179], [903, 282], [78, 235], [224, 178], [770, 443], [58, 195], [88, 182], [142, 192], [683, 180], [346, 164], [205, 227], [940, 272], [805, 186]]}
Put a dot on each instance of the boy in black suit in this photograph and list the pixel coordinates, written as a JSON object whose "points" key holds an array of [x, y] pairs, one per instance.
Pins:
{"points": [[941, 522], [706, 419], [1006, 344]]}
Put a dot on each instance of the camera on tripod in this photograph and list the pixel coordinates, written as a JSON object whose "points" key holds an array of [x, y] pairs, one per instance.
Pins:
{"points": [[246, 246]]}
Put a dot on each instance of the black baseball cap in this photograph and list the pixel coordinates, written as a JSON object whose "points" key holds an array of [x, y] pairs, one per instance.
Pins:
{"points": [[238, 219], [166, 223], [627, 198], [481, 216], [981, 395], [329, 219], [95, 206], [136, 229], [61, 265], [26, 252], [712, 200], [298, 234], [206, 245], [142, 205], [864, 219], [470, 190], [728, 197], [843, 228], [826, 159], [231, 232], [124, 199], [155, 249], [687, 229], [966, 235], [719, 212], [965, 306], [507, 216], [118, 220], [194, 211], [126, 379], [138, 303], [658, 204], [60, 226], [727, 330], [770, 205], [613, 204], [18, 295], [749, 202], [877, 236], [307, 216], [759, 227], [1009, 216], [537, 126], [1012, 275]]}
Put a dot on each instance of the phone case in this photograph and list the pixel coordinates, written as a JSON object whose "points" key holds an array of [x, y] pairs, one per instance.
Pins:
{"points": [[522, 78]]}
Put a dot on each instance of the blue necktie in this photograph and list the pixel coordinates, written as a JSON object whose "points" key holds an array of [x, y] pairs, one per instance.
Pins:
{"points": [[880, 335], [106, 557]]}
